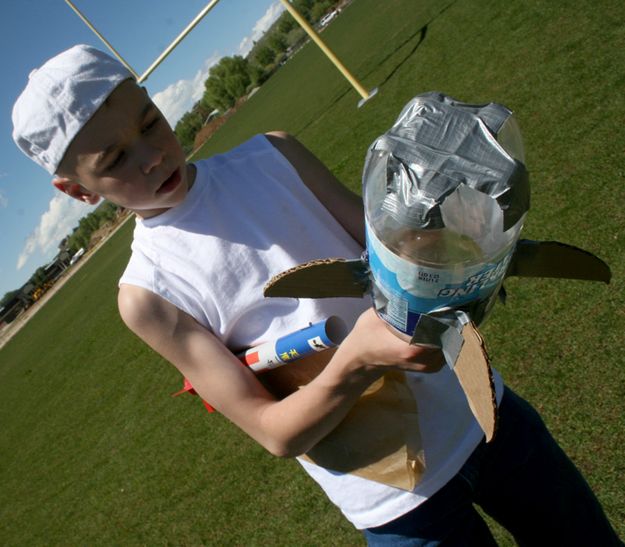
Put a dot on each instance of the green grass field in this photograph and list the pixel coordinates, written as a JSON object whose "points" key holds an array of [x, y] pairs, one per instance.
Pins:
{"points": [[93, 451]]}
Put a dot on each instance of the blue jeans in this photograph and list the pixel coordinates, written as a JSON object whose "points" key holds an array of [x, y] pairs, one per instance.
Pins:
{"points": [[523, 480]]}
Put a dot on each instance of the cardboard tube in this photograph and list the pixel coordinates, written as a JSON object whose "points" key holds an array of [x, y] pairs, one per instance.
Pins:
{"points": [[314, 338]]}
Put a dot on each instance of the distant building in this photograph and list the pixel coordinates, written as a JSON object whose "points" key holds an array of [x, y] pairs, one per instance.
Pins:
{"points": [[54, 269]]}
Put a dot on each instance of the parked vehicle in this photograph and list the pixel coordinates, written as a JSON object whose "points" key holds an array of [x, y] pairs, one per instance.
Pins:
{"points": [[77, 256], [325, 20]]}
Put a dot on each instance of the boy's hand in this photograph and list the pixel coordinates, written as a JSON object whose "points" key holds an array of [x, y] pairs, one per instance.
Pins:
{"points": [[372, 345]]}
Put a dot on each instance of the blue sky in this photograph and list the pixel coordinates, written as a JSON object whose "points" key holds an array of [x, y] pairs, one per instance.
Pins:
{"points": [[34, 217]]}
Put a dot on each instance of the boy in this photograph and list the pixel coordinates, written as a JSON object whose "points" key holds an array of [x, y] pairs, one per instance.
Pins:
{"points": [[208, 237]]}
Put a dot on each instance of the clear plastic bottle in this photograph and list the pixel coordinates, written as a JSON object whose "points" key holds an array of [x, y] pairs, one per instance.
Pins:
{"points": [[420, 271], [419, 262]]}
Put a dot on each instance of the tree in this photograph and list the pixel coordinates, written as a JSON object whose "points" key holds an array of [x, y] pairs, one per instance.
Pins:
{"points": [[320, 9], [304, 7], [89, 223], [237, 75], [81, 234], [217, 93], [227, 81], [39, 277], [285, 23], [257, 74], [265, 55], [63, 244], [186, 129], [202, 109], [206, 105], [8, 296], [277, 42]]}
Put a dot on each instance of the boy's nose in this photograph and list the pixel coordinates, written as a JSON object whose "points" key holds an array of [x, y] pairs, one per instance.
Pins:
{"points": [[151, 157]]}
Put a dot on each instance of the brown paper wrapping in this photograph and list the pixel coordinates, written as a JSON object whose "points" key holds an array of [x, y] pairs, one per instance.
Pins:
{"points": [[379, 438]]}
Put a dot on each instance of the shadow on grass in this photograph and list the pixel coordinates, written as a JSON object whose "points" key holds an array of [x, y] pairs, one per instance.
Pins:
{"points": [[332, 103], [420, 35], [422, 32]]}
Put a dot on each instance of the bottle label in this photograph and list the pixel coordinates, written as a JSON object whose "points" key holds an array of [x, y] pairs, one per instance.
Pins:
{"points": [[406, 289]]}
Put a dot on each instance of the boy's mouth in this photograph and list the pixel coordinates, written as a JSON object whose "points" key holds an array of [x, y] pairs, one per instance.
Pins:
{"points": [[170, 183]]}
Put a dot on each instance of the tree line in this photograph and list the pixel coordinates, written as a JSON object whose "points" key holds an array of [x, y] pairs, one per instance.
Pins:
{"points": [[80, 237], [235, 76]]}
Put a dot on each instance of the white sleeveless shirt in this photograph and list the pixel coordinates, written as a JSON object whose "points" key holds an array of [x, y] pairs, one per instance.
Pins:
{"points": [[248, 217]]}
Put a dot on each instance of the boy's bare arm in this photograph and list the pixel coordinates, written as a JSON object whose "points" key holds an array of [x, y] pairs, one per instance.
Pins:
{"points": [[295, 424], [344, 205]]}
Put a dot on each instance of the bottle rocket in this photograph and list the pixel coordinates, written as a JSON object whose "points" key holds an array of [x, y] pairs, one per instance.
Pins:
{"points": [[445, 192]]}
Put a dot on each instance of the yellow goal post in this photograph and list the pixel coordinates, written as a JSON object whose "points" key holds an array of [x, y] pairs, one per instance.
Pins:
{"points": [[365, 95]]}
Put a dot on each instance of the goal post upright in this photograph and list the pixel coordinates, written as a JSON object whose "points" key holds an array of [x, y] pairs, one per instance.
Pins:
{"points": [[301, 21], [178, 39], [102, 38], [162, 56]]}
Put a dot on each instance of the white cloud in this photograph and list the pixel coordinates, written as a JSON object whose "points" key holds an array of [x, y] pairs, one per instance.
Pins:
{"points": [[261, 26], [62, 215], [4, 202], [178, 98]]}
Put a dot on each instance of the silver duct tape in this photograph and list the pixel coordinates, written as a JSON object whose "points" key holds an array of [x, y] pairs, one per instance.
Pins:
{"points": [[438, 144], [442, 329]]}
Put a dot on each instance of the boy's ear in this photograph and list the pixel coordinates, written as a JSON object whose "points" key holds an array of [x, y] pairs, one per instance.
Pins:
{"points": [[75, 190]]}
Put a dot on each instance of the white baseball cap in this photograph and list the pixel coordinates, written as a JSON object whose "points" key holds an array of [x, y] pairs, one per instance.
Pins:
{"points": [[60, 98]]}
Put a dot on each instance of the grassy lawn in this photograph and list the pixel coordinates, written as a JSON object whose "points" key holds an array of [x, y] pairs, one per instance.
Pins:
{"points": [[93, 450]]}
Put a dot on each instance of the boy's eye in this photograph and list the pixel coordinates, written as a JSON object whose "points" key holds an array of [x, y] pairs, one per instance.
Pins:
{"points": [[150, 125], [116, 161]]}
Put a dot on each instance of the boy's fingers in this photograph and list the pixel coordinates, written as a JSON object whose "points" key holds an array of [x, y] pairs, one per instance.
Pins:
{"points": [[432, 358]]}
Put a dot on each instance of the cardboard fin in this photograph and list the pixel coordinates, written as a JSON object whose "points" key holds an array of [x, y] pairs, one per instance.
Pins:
{"points": [[555, 259], [476, 378], [324, 278]]}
